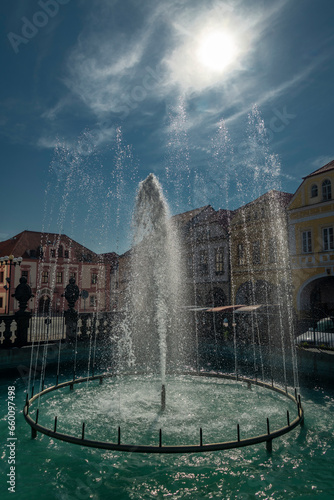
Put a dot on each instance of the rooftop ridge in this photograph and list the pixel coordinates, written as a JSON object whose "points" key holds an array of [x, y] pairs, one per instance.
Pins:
{"points": [[326, 168], [267, 194]]}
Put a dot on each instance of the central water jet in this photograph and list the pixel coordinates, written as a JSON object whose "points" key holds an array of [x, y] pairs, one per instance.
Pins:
{"points": [[155, 291]]}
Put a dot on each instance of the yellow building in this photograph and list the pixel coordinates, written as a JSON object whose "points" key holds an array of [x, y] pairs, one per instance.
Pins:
{"points": [[311, 226]]}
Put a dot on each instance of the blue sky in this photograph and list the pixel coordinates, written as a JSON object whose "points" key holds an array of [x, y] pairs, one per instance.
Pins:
{"points": [[222, 100]]}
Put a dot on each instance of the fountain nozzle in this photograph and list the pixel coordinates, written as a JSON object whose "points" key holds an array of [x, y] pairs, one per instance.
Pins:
{"points": [[163, 397]]}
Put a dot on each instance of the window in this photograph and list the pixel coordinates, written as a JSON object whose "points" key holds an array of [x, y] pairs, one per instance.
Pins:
{"points": [[189, 264], [45, 276], [1, 302], [241, 260], [200, 233], [59, 277], [203, 261], [307, 241], [86, 257], [25, 274], [256, 255], [60, 251], [314, 191], [326, 190], [53, 253], [328, 241], [272, 251], [93, 278], [219, 261], [66, 254], [1, 276], [73, 275], [92, 300]]}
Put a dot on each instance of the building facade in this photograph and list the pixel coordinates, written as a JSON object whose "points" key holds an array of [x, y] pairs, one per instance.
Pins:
{"points": [[204, 236], [48, 261], [311, 242], [228, 257], [259, 257], [204, 244]]}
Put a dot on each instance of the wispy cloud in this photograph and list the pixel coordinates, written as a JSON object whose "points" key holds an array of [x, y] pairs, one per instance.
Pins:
{"points": [[266, 96], [124, 70], [47, 142], [105, 66], [99, 135], [53, 112], [320, 161]]}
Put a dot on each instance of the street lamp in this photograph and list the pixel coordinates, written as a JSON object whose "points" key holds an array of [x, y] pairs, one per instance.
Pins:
{"points": [[9, 261]]}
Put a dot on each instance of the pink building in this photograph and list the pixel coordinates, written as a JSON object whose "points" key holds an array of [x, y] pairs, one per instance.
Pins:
{"points": [[48, 261]]}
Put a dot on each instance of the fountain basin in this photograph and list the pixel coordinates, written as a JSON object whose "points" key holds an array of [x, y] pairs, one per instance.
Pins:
{"points": [[205, 411]]}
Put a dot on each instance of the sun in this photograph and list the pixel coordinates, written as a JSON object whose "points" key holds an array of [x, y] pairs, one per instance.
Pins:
{"points": [[216, 50]]}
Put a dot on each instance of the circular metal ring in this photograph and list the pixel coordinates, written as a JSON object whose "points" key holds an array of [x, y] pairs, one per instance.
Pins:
{"points": [[193, 448]]}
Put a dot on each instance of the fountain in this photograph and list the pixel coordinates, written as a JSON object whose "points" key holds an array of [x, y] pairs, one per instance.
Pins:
{"points": [[118, 407], [159, 352], [156, 293]]}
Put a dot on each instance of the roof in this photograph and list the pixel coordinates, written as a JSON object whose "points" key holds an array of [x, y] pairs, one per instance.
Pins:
{"points": [[326, 168], [109, 257], [295, 204], [20, 244], [126, 254], [282, 197], [223, 216], [188, 216]]}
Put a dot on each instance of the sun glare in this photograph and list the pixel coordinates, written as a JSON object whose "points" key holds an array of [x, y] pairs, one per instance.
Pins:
{"points": [[216, 51]]}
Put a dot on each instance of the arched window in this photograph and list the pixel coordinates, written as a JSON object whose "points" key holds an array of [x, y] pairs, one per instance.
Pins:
{"points": [[219, 261], [314, 191], [326, 190]]}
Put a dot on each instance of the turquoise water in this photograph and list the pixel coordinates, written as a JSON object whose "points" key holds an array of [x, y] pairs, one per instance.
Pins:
{"points": [[133, 402], [300, 466]]}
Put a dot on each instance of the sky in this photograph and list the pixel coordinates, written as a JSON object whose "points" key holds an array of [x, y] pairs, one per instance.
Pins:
{"points": [[221, 100]]}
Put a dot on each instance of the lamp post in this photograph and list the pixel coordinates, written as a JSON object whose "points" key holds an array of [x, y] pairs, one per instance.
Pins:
{"points": [[9, 261]]}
